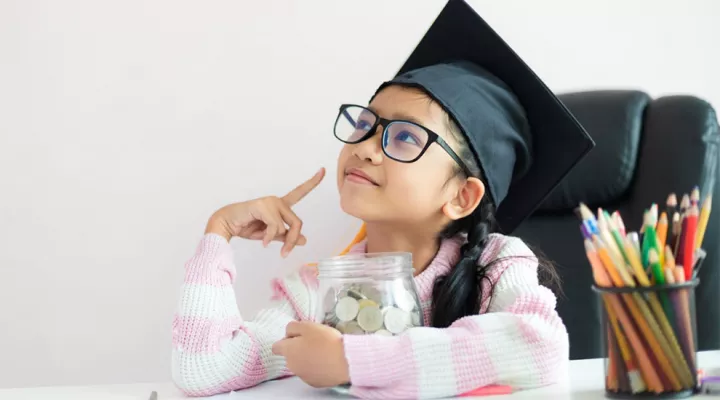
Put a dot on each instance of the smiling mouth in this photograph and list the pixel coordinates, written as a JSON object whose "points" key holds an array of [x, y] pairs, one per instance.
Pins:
{"points": [[355, 177]]}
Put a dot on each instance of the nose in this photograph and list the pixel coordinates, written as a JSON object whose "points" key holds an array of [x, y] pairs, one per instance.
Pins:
{"points": [[370, 149]]}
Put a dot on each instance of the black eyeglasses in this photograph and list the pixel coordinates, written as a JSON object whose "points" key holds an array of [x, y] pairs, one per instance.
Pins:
{"points": [[402, 141]]}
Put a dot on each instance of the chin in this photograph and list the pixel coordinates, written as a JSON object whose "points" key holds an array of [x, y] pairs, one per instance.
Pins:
{"points": [[359, 207]]}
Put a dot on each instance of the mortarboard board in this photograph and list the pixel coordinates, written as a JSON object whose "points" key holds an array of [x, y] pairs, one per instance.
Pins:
{"points": [[526, 141]]}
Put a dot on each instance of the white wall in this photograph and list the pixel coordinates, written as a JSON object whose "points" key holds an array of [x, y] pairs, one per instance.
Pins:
{"points": [[123, 125]]}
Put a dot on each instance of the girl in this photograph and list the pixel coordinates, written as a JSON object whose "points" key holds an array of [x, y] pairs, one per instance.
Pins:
{"points": [[425, 166]]}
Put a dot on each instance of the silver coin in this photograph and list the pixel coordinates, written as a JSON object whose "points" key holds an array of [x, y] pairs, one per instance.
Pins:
{"points": [[396, 320], [370, 318], [383, 332], [372, 293], [356, 294], [346, 309], [350, 328], [404, 299]]}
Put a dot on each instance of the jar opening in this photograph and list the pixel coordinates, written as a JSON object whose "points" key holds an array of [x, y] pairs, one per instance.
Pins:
{"points": [[368, 265]]}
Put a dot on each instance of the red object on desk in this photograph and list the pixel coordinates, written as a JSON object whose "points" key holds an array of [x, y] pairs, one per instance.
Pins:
{"points": [[489, 390]]}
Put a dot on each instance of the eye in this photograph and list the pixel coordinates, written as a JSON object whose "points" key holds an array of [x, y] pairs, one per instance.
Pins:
{"points": [[363, 125], [407, 137]]}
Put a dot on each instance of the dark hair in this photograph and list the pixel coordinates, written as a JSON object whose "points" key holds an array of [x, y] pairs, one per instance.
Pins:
{"points": [[458, 294]]}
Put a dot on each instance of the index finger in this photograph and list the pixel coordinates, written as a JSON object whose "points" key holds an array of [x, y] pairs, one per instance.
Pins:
{"points": [[306, 187]]}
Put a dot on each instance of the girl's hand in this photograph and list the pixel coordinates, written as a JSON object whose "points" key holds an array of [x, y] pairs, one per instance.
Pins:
{"points": [[314, 353], [267, 218]]}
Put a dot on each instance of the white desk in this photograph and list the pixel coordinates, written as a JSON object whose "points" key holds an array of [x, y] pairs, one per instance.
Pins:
{"points": [[583, 382]]}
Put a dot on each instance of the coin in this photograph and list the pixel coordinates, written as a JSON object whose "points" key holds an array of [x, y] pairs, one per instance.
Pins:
{"points": [[356, 294], [346, 309], [370, 318], [366, 303], [383, 332], [396, 320], [350, 328], [371, 293], [404, 299]]}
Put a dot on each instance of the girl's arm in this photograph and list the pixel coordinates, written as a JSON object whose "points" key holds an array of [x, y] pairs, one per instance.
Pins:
{"points": [[214, 350], [520, 341]]}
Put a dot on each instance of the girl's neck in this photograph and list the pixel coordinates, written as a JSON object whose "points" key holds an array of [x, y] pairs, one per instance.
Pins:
{"points": [[423, 245]]}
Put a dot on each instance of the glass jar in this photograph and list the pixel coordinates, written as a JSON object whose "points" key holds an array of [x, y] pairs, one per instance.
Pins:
{"points": [[371, 293]]}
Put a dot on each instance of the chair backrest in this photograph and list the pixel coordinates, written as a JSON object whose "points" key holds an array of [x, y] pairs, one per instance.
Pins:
{"points": [[645, 149]]}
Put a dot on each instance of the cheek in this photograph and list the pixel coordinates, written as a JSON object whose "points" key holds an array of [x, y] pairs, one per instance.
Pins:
{"points": [[345, 153], [415, 190]]}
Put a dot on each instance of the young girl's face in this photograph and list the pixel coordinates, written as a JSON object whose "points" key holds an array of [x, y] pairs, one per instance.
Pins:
{"points": [[376, 188]]}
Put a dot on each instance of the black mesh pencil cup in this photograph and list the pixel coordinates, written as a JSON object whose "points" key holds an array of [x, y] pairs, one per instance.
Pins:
{"points": [[649, 340]]}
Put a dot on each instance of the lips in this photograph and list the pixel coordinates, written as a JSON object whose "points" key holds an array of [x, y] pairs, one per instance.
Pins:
{"points": [[360, 176]]}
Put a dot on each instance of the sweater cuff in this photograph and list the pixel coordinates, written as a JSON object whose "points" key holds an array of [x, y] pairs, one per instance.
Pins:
{"points": [[213, 254], [378, 361]]}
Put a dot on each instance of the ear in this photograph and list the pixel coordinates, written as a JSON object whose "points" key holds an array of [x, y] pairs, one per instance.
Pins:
{"points": [[466, 199]]}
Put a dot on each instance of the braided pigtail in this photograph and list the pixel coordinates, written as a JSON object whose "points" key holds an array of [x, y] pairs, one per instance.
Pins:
{"points": [[457, 294]]}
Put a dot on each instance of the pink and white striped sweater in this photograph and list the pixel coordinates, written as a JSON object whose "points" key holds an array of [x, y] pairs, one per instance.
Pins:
{"points": [[517, 339]]}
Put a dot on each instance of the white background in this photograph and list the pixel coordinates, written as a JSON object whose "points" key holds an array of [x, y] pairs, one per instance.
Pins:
{"points": [[124, 124]]}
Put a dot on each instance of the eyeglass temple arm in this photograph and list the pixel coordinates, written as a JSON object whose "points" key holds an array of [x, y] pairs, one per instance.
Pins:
{"points": [[347, 115]]}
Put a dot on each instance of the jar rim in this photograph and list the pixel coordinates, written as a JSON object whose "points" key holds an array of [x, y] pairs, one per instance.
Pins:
{"points": [[366, 264]]}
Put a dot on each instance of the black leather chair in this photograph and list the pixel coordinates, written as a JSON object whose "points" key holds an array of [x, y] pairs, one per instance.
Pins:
{"points": [[645, 149]]}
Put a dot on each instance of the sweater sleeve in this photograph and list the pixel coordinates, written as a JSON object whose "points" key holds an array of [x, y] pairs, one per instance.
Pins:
{"points": [[520, 341], [214, 349]]}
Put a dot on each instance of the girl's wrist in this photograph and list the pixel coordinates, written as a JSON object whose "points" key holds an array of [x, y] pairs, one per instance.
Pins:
{"points": [[216, 226]]}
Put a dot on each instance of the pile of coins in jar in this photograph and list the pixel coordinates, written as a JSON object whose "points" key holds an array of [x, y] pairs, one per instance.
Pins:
{"points": [[359, 309]]}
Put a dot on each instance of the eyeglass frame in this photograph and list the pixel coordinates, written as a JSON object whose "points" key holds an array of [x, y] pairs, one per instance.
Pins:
{"points": [[432, 136]]}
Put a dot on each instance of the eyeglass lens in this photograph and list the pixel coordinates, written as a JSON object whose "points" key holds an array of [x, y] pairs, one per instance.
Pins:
{"points": [[403, 141]]}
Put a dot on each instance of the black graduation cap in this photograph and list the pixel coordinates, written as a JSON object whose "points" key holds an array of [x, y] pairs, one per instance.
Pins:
{"points": [[524, 138]]}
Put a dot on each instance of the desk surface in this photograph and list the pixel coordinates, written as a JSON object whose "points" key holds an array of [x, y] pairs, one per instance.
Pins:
{"points": [[583, 382]]}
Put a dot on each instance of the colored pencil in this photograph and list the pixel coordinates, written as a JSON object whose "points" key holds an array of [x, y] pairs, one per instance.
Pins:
{"points": [[617, 220], [703, 221], [674, 230], [681, 240], [671, 204], [695, 196], [688, 244], [684, 204], [686, 325], [662, 231]]}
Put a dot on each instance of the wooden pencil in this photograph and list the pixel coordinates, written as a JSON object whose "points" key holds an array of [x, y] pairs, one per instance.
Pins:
{"points": [[683, 295], [684, 204], [695, 196], [680, 241], [688, 245], [662, 231], [703, 221], [671, 204]]}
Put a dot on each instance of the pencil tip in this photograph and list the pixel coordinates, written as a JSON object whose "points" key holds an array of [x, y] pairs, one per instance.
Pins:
{"points": [[653, 256]]}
